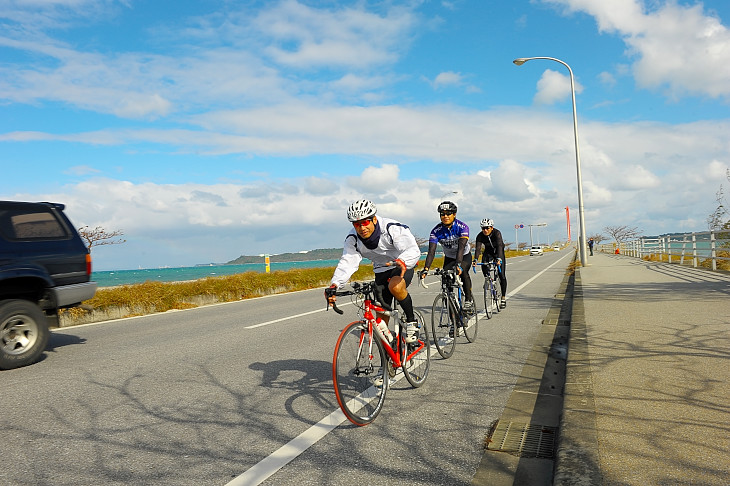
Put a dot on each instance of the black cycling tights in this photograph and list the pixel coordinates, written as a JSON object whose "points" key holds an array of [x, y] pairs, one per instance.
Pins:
{"points": [[406, 304], [450, 263]]}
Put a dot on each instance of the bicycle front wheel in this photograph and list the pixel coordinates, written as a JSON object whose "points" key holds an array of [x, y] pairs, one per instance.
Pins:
{"points": [[416, 357], [359, 372], [471, 322], [488, 285], [442, 325], [496, 293]]}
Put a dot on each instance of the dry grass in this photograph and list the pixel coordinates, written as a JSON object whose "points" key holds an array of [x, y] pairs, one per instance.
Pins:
{"points": [[152, 296], [705, 263]]}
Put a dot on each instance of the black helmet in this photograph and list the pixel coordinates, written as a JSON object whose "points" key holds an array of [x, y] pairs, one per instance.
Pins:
{"points": [[447, 206]]}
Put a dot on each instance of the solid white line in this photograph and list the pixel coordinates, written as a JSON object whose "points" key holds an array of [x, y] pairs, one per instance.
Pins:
{"points": [[288, 452], [510, 294], [265, 468], [291, 317]]}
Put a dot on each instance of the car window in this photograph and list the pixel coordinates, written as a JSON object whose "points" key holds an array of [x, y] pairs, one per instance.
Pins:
{"points": [[40, 225]]}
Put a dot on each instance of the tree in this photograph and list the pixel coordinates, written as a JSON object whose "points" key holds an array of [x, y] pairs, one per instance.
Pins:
{"points": [[598, 238], [720, 218], [99, 236], [622, 233]]}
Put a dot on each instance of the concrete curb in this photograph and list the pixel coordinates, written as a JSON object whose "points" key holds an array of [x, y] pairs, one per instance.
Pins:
{"points": [[576, 462], [534, 407]]}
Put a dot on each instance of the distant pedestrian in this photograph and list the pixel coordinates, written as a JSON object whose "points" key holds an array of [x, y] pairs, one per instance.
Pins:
{"points": [[590, 245]]}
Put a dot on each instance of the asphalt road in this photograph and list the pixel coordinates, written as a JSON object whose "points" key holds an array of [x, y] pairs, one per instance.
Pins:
{"points": [[241, 393]]}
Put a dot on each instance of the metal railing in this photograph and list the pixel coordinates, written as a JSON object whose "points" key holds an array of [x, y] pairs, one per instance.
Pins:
{"points": [[676, 248]]}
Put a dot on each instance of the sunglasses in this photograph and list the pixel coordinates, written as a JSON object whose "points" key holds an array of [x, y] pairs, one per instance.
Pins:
{"points": [[446, 213], [361, 223]]}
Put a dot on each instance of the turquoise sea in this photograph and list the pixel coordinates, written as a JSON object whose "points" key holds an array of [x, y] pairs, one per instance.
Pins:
{"points": [[176, 274]]}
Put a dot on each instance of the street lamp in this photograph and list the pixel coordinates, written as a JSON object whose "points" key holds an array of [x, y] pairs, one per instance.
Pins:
{"points": [[582, 238]]}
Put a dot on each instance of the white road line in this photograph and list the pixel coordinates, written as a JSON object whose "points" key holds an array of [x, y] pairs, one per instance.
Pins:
{"points": [[265, 468], [280, 458], [510, 294], [291, 317]]}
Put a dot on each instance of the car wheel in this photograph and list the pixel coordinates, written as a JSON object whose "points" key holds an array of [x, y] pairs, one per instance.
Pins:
{"points": [[23, 333]]}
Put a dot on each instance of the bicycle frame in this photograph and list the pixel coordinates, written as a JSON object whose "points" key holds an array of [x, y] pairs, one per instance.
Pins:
{"points": [[450, 281], [369, 311], [492, 270], [393, 354]]}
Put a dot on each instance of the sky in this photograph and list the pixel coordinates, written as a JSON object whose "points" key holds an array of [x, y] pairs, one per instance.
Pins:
{"points": [[209, 129]]}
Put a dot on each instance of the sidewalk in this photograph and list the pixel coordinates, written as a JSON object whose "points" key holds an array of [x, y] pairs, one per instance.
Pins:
{"points": [[647, 393]]}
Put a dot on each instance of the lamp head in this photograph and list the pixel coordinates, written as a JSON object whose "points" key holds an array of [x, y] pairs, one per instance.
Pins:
{"points": [[520, 61]]}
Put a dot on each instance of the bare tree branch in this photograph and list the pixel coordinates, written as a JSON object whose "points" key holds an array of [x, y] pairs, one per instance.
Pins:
{"points": [[99, 236], [622, 233], [720, 218]]}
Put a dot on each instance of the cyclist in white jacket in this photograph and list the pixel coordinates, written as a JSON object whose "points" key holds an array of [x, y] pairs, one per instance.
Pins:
{"points": [[391, 247]]}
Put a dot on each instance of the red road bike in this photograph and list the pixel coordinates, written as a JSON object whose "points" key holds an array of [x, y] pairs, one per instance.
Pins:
{"points": [[365, 359]]}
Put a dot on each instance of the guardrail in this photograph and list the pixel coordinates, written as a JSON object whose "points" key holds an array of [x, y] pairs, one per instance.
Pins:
{"points": [[696, 246]]}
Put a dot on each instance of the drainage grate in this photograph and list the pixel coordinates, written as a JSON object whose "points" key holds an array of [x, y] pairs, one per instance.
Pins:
{"points": [[523, 440]]}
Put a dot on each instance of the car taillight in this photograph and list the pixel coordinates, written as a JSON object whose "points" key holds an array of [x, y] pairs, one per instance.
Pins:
{"points": [[88, 264]]}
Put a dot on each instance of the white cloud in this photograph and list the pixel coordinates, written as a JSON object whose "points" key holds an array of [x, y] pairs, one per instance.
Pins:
{"points": [[607, 78], [346, 36], [509, 182], [447, 78], [677, 48], [554, 86]]}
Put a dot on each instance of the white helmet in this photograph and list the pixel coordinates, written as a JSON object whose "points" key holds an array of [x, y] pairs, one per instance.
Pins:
{"points": [[487, 223], [360, 210]]}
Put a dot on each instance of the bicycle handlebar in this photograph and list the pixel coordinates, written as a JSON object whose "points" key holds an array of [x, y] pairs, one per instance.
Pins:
{"points": [[441, 271], [493, 262], [365, 289]]}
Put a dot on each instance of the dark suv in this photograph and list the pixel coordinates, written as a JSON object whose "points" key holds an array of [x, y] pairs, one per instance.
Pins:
{"points": [[44, 267]]}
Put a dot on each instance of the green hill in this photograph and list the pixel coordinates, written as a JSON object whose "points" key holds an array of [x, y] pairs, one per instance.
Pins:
{"points": [[321, 254]]}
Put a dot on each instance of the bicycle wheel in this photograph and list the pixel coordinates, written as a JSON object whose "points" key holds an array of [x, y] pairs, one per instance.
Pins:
{"points": [[416, 357], [497, 291], [471, 322], [442, 325], [359, 375], [488, 309]]}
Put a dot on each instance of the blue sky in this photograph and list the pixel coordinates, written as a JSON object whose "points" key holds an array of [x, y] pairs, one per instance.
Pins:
{"points": [[209, 129]]}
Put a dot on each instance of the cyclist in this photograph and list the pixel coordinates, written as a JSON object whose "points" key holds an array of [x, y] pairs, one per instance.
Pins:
{"points": [[491, 239], [391, 247], [454, 238]]}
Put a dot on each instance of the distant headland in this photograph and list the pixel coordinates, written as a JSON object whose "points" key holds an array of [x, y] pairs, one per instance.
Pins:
{"points": [[304, 256]]}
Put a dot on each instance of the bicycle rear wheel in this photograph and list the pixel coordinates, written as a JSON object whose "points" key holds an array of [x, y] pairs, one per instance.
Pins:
{"points": [[416, 358], [360, 377], [471, 322], [443, 325], [488, 309]]}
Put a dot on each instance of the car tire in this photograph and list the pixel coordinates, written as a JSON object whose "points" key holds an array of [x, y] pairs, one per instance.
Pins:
{"points": [[23, 333]]}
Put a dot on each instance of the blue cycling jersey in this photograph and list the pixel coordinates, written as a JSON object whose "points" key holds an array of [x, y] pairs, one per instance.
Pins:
{"points": [[449, 237]]}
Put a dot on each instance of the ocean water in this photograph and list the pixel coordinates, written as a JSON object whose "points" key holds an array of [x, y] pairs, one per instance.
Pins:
{"points": [[177, 274]]}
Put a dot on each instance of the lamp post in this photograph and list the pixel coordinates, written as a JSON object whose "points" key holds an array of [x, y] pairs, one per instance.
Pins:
{"points": [[538, 234], [582, 238]]}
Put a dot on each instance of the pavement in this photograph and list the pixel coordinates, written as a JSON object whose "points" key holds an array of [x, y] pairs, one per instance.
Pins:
{"points": [[627, 383]]}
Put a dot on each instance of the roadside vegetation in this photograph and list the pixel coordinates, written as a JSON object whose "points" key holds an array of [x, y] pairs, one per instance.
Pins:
{"points": [[152, 296], [702, 262]]}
